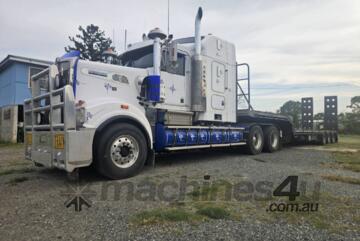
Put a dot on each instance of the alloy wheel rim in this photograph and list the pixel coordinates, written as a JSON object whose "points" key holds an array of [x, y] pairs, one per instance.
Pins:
{"points": [[124, 151]]}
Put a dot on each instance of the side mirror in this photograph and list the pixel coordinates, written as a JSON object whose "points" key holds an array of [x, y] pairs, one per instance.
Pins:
{"points": [[173, 52]]}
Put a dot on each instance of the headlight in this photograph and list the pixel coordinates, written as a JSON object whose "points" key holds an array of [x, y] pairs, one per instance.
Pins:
{"points": [[80, 116]]}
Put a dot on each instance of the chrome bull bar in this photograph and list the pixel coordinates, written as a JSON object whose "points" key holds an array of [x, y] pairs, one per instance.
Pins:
{"points": [[51, 138], [50, 108]]}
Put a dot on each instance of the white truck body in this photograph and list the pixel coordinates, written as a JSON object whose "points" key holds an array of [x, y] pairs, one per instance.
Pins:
{"points": [[166, 95]]}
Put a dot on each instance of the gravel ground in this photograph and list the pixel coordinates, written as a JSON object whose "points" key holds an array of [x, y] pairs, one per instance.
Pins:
{"points": [[32, 201]]}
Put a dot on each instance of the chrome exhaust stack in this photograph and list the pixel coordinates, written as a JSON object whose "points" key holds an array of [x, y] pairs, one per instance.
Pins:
{"points": [[197, 32], [198, 95]]}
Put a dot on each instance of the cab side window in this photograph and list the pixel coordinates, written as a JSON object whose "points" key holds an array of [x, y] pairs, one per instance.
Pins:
{"points": [[178, 68]]}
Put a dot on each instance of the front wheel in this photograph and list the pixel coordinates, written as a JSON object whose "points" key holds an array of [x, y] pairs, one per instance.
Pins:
{"points": [[121, 151], [255, 140]]}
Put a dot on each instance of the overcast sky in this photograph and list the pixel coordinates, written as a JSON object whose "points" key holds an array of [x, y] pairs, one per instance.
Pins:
{"points": [[295, 48]]}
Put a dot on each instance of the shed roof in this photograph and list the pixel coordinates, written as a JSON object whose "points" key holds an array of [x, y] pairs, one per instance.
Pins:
{"points": [[19, 59]]}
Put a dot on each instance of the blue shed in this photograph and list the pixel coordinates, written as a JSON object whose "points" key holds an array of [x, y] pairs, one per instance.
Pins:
{"points": [[15, 72]]}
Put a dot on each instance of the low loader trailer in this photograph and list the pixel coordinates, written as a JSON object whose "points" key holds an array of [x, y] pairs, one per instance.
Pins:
{"points": [[160, 95]]}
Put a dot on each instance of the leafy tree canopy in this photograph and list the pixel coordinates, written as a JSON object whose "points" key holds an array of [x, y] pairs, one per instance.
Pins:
{"points": [[293, 109], [91, 42], [355, 104], [319, 116]]}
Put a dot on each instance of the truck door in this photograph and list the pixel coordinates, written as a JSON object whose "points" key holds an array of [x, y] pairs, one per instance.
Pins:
{"points": [[175, 79]]}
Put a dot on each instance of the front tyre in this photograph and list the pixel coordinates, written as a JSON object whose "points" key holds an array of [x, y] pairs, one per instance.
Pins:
{"points": [[255, 140], [121, 151]]}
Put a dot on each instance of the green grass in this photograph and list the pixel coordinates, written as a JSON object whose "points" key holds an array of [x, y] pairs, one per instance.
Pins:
{"points": [[336, 178], [16, 171], [332, 212], [213, 212], [11, 145], [162, 215], [215, 190], [187, 213], [346, 160], [347, 141]]}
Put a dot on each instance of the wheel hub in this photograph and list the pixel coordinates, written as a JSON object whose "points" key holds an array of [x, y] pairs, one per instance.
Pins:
{"points": [[257, 141], [124, 151], [274, 140]]}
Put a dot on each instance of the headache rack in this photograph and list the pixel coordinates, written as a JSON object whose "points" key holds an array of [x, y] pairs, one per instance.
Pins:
{"points": [[50, 108], [243, 87]]}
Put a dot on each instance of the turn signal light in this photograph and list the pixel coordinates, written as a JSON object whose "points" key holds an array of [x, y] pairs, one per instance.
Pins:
{"points": [[80, 103], [125, 107]]}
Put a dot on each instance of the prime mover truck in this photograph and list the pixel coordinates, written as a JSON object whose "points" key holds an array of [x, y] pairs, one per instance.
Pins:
{"points": [[160, 95]]}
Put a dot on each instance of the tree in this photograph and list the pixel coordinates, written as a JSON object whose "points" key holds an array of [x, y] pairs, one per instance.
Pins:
{"points": [[293, 110], [355, 104], [91, 42], [349, 122], [319, 116]]}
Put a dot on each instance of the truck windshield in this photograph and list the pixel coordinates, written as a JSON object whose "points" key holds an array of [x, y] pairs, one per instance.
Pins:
{"points": [[138, 58]]}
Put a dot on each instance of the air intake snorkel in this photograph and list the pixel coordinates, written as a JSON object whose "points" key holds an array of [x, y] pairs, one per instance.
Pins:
{"points": [[154, 87]]}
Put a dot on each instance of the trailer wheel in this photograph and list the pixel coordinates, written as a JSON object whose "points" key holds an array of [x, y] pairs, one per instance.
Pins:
{"points": [[272, 139], [332, 137], [328, 138], [121, 151], [322, 139], [255, 140]]}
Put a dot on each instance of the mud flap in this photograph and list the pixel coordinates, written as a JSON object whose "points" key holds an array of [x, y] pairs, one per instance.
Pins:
{"points": [[150, 161]]}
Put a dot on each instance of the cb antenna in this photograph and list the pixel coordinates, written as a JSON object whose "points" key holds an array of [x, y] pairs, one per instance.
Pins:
{"points": [[113, 38], [125, 39], [168, 27]]}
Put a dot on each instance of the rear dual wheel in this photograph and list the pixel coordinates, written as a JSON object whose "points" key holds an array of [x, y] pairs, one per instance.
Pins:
{"points": [[257, 140], [272, 139]]}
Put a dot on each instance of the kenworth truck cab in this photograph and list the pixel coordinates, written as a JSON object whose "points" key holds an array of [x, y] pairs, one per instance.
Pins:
{"points": [[164, 95]]}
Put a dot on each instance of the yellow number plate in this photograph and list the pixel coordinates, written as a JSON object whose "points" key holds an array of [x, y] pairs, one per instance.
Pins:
{"points": [[28, 138], [59, 141]]}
